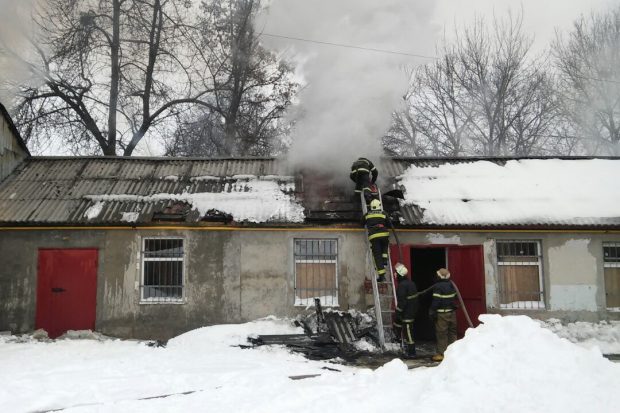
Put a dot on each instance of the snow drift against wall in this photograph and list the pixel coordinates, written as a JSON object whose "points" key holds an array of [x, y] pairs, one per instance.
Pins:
{"points": [[535, 191]]}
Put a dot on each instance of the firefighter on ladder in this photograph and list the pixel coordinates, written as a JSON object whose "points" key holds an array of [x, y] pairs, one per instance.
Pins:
{"points": [[406, 310], [378, 237], [364, 174]]}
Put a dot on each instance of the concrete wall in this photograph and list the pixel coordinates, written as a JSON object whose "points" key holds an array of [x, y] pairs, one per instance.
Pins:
{"points": [[572, 270], [231, 276], [236, 276]]}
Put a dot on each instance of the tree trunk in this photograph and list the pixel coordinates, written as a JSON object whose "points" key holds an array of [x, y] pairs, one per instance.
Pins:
{"points": [[110, 150]]}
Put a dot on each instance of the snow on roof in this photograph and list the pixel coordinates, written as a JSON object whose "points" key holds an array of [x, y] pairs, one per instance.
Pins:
{"points": [[252, 200], [521, 192]]}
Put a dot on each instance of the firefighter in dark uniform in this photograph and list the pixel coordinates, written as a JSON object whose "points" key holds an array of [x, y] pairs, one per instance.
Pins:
{"points": [[378, 237], [443, 312], [364, 174], [406, 310]]}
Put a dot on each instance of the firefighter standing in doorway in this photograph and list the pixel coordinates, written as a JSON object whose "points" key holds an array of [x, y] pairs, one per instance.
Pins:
{"points": [[376, 221], [443, 312], [407, 299], [364, 174]]}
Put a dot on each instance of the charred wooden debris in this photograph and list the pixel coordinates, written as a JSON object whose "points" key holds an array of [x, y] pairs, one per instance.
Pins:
{"points": [[328, 335]]}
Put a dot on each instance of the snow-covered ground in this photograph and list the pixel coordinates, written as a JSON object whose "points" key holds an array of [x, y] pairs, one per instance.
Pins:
{"points": [[604, 335], [507, 364]]}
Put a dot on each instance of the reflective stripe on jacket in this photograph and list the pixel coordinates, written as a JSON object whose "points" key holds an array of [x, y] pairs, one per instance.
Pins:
{"points": [[444, 295], [407, 299], [363, 165], [377, 224]]}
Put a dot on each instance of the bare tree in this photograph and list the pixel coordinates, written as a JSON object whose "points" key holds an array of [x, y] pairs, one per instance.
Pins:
{"points": [[588, 60], [486, 95], [252, 87], [506, 87], [113, 71]]}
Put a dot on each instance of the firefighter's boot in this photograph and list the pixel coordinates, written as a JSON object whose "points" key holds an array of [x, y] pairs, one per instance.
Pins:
{"points": [[411, 351]]}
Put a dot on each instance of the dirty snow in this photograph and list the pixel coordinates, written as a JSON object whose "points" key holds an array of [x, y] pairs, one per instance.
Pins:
{"points": [[604, 335], [509, 364], [522, 191], [252, 200]]}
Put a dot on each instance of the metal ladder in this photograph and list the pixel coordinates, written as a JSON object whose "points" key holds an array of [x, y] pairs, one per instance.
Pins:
{"points": [[384, 296]]}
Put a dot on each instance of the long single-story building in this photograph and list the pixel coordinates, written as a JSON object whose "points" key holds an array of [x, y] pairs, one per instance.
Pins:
{"points": [[153, 247]]}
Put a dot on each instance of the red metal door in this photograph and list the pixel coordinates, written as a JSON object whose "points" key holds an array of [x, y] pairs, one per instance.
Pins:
{"points": [[466, 266], [66, 290]]}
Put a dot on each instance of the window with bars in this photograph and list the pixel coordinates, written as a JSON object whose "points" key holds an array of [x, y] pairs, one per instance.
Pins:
{"points": [[611, 265], [316, 271], [520, 275], [162, 270]]}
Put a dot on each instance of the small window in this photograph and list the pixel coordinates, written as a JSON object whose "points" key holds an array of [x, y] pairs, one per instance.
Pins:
{"points": [[316, 271], [520, 275], [611, 264], [162, 270]]}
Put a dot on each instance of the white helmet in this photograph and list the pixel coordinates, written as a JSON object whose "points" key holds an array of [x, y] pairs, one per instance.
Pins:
{"points": [[375, 205], [401, 269]]}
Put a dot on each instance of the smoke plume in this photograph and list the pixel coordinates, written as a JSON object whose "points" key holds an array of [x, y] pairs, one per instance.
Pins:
{"points": [[16, 31], [349, 94]]}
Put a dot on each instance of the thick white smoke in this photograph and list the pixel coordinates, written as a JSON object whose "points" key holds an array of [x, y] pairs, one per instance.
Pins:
{"points": [[349, 94], [17, 29]]}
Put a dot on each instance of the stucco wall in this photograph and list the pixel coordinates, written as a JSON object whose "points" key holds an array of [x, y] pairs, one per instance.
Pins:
{"points": [[236, 276], [231, 276], [572, 266]]}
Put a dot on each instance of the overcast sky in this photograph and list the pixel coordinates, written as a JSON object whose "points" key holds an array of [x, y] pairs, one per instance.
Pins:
{"points": [[541, 17]]}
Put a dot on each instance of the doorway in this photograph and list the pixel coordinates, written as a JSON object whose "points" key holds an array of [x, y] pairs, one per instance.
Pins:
{"points": [[424, 264]]}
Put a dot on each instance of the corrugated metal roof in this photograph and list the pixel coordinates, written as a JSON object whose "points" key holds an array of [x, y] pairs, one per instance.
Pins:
{"points": [[62, 191], [47, 190], [513, 201]]}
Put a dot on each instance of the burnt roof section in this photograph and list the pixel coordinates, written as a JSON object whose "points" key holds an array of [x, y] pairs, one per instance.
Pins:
{"points": [[9, 121], [46, 191]]}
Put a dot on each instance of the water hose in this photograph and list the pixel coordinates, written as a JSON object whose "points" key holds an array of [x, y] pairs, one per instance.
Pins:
{"points": [[458, 293]]}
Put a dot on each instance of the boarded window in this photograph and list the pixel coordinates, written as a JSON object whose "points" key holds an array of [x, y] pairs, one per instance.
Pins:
{"points": [[162, 270], [520, 275], [316, 271], [611, 257]]}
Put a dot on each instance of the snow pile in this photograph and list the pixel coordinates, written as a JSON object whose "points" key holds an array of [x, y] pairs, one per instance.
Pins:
{"points": [[94, 210], [604, 335], [507, 364], [226, 335], [522, 191], [130, 216], [252, 200], [513, 364]]}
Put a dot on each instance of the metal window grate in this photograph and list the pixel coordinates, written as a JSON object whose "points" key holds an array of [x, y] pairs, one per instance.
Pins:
{"points": [[520, 275], [162, 270], [316, 271], [611, 254], [611, 270]]}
